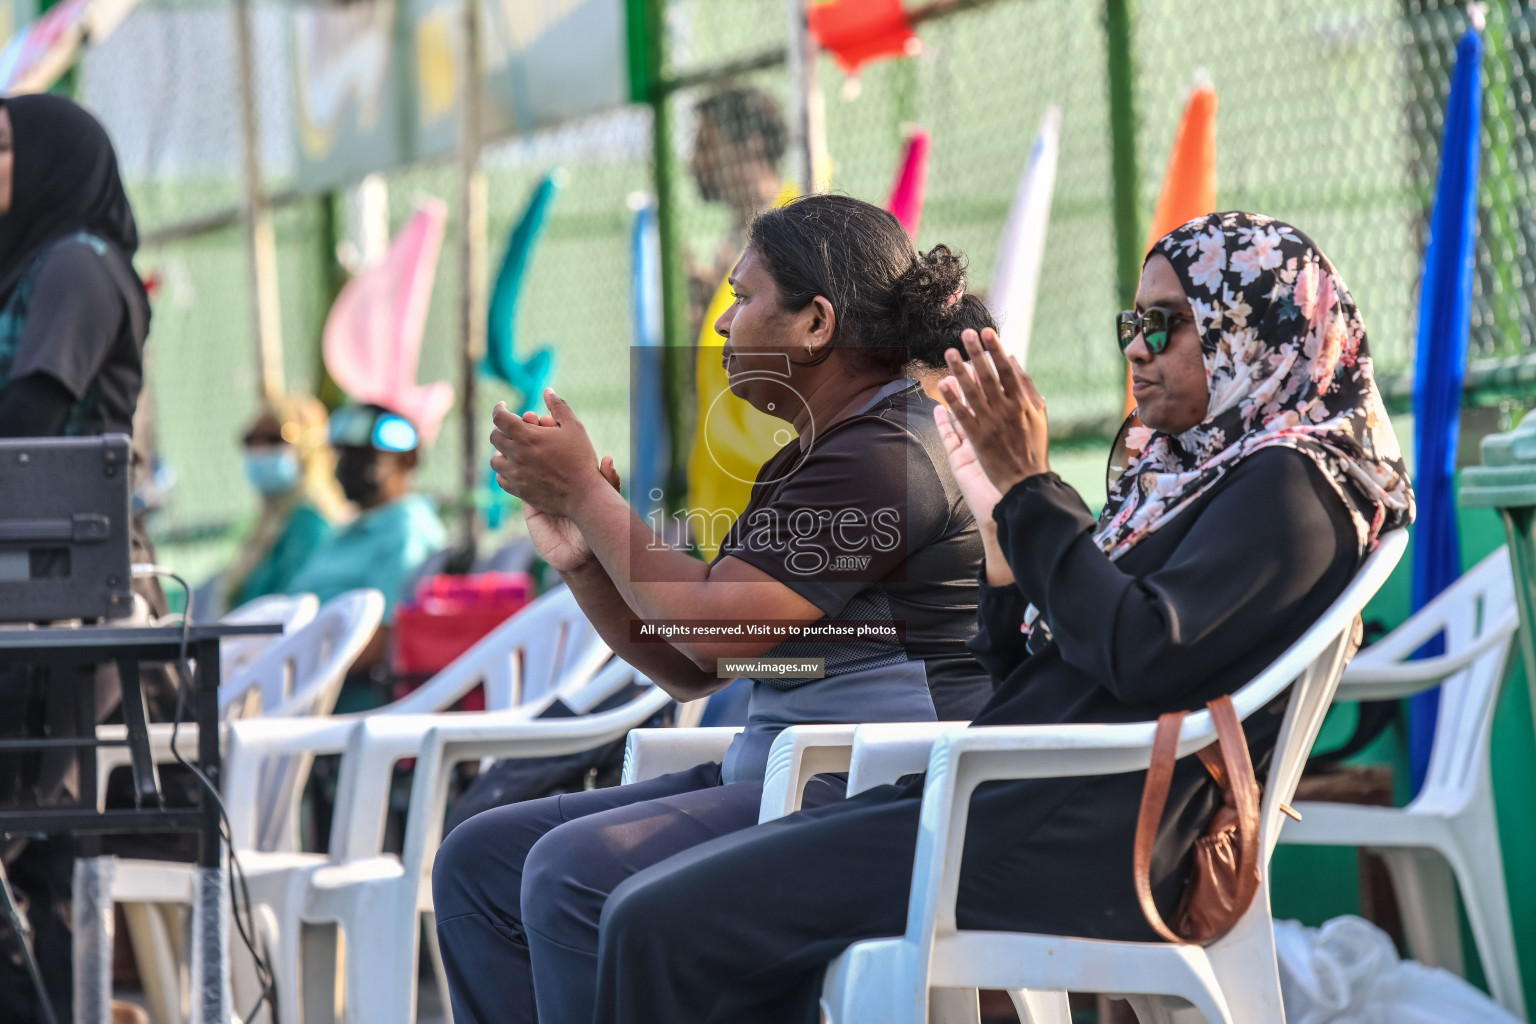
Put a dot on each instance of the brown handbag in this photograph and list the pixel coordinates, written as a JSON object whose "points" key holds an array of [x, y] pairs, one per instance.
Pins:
{"points": [[1225, 878]]}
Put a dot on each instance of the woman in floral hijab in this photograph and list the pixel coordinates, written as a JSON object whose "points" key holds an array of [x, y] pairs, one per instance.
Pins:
{"points": [[1286, 363]]}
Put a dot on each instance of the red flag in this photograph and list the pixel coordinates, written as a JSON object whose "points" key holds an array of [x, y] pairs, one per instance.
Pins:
{"points": [[859, 31]]}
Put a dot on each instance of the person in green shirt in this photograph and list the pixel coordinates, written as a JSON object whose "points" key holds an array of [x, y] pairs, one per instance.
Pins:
{"points": [[289, 462], [396, 529]]}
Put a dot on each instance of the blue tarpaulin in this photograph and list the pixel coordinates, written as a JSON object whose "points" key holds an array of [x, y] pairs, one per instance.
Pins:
{"points": [[1445, 312]]}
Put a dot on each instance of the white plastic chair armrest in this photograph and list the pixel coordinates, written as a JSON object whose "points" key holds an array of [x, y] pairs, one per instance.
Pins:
{"points": [[249, 741], [1379, 676], [467, 737], [798, 753], [367, 771], [109, 759], [883, 752], [1429, 620], [963, 758], [362, 797], [653, 752]]}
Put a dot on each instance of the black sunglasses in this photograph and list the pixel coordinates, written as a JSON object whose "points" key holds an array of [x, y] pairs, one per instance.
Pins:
{"points": [[1153, 326]]}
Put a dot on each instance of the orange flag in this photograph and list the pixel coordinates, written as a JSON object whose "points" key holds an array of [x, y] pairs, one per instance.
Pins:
{"points": [[1189, 186]]}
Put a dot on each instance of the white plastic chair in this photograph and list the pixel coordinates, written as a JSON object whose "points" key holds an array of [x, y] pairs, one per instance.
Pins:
{"points": [[377, 900], [299, 674], [936, 967], [545, 652], [290, 611], [1448, 836]]}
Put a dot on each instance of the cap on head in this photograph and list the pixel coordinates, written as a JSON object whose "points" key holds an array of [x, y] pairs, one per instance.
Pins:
{"points": [[373, 426]]}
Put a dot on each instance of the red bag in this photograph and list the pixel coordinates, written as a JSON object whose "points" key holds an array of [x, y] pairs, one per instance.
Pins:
{"points": [[445, 618]]}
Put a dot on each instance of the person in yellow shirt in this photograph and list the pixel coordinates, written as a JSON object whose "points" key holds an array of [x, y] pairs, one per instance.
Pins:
{"points": [[738, 145]]}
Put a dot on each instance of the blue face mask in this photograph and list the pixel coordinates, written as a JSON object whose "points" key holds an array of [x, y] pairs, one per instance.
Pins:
{"points": [[272, 471]]}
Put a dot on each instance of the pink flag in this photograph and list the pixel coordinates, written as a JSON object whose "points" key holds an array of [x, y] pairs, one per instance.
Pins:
{"points": [[906, 200], [372, 344]]}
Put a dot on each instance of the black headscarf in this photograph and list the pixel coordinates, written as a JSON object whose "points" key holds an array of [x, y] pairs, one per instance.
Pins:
{"points": [[65, 180]]}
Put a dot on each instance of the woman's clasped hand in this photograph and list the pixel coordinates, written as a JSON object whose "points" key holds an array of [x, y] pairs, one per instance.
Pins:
{"points": [[547, 461], [998, 411], [533, 458]]}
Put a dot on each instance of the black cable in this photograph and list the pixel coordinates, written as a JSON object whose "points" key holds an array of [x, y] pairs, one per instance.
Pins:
{"points": [[264, 975], [23, 930]]}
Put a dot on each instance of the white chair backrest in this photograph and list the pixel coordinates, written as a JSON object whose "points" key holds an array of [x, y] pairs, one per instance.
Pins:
{"points": [[287, 610], [1311, 669], [429, 788], [547, 644], [290, 610], [1478, 618], [301, 674]]}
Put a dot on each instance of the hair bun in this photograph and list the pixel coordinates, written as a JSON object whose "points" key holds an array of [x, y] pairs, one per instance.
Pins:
{"points": [[932, 284], [934, 307]]}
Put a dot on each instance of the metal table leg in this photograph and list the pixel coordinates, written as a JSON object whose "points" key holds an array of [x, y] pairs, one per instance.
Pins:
{"points": [[211, 909], [92, 903], [92, 910], [146, 778]]}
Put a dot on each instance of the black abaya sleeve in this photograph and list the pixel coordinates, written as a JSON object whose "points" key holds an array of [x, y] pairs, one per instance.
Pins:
{"points": [[998, 644], [1267, 536], [36, 405]]}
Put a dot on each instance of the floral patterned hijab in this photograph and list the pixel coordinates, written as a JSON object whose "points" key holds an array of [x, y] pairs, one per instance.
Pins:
{"points": [[1288, 366]]}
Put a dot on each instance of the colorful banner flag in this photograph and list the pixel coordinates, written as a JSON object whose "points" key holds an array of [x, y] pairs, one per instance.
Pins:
{"points": [[650, 442], [1021, 253], [856, 32], [372, 342], [1440, 366], [37, 56], [911, 185], [532, 374]]}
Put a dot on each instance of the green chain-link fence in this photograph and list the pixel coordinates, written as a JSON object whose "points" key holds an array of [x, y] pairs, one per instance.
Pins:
{"points": [[1330, 116]]}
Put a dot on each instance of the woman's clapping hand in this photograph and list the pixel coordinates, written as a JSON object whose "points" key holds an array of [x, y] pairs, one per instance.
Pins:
{"points": [[999, 413], [980, 495]]}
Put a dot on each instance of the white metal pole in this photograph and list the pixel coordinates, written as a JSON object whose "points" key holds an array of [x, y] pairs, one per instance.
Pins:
{"points": [[266, 314], [472, 229]]}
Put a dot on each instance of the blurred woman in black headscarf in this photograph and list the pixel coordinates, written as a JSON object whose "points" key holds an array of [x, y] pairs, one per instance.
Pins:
{"points": [[73, 314], [73, 319]]}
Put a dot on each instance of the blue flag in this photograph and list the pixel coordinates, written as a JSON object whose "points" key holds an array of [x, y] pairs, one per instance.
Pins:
{"points": [[1445, 320]]}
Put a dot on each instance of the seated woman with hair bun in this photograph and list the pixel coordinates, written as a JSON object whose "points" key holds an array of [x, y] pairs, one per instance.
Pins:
{"points": [[858, 517]]}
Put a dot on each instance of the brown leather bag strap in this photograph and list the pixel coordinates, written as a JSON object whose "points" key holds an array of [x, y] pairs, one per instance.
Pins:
{"points": [[1210, 756], [1165, 750], [1244, 787]]}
